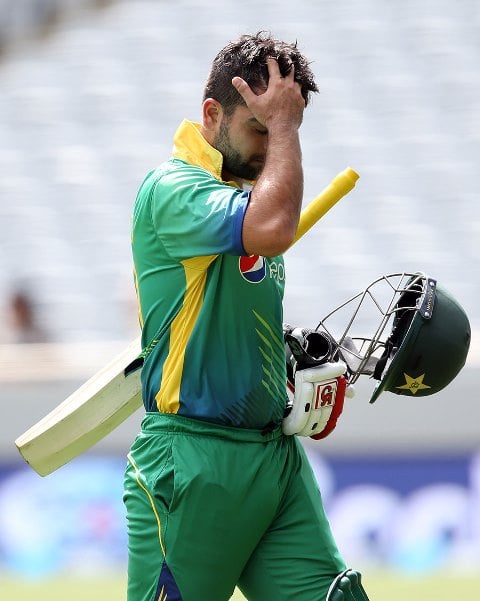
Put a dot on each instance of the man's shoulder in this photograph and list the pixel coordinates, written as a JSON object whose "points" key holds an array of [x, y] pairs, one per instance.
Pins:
{"points": [[175, 169], [174, 172], [179, 176], [172, 169], [174, 177]]}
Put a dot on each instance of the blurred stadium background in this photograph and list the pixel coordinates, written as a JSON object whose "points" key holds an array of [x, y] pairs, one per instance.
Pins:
{"points": [[90, 95]]}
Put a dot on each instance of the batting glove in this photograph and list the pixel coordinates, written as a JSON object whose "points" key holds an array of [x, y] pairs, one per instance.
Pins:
{"points": [[317, 400]]}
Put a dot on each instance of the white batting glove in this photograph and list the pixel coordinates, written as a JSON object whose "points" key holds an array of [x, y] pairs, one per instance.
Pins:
{"points": [[317, 400]]}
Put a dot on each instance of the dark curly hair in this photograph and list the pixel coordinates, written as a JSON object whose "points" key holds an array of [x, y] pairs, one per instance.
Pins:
{"points": [[247, 58]]}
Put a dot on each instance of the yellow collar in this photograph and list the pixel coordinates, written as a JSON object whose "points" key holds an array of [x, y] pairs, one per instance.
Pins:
{"points": [[190, 146]]}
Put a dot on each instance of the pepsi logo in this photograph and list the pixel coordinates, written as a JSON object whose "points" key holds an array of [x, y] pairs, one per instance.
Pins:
{"points": [[252, 268]]}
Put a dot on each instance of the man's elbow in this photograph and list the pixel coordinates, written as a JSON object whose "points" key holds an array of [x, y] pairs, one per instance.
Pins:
{"points": [[269, 242]]}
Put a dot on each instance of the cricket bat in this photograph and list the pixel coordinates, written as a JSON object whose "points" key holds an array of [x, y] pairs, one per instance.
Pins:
{"points": [[110, 396]]}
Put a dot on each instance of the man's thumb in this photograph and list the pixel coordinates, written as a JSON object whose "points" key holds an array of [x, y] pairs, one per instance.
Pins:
{"points": [[242, 87]]}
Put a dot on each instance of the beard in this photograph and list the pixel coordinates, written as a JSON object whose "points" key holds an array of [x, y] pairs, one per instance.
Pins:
{"points": [[233, 162]]}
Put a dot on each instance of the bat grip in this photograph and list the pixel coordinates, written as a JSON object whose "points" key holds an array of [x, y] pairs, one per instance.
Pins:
{"points": [[340, 185]]}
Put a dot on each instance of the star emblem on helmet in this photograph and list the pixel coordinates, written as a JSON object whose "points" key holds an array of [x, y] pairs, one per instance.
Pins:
{"points": [[413, 384]]}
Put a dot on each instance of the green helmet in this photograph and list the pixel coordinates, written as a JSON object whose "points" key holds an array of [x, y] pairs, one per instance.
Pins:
{"points": [[428, 341]]}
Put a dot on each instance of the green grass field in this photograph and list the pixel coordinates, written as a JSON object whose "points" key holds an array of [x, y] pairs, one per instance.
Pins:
{"points": [[381, 587]]}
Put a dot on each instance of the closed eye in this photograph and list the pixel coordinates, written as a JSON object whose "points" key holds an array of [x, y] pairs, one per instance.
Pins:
{"points": [[257, 127]]}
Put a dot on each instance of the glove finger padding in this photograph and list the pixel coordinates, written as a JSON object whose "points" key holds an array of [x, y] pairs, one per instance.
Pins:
{"points": [[317, 400]]}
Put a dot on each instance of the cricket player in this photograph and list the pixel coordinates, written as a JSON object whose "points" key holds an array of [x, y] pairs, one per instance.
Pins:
{"points": [[218, 490]]}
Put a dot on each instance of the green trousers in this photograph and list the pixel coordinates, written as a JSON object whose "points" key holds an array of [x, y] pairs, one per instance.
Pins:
{"points": [[210, 508]]}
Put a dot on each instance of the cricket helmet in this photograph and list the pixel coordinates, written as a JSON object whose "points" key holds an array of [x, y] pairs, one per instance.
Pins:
{"points": [[420, 344]]}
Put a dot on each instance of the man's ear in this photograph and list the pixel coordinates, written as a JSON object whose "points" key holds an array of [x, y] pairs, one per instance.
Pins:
{"points": [[212, 114]]}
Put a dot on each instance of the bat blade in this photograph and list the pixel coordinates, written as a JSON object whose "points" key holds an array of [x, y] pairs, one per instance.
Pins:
{"points": [[110, 396], [90, 413]]}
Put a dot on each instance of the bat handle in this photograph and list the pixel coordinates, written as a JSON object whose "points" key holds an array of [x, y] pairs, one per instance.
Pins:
{"points": [[340, 185]]}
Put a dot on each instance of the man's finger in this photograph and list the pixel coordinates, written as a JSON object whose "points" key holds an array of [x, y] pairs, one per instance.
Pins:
{"points": [[273, 67], [243, 88]]}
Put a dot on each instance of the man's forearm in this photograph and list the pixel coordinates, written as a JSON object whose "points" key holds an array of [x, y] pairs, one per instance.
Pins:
{"points": [[272, 217]]}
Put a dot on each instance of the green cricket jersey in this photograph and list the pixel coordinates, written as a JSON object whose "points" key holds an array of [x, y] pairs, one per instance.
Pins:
{"points": [[211, 316]]}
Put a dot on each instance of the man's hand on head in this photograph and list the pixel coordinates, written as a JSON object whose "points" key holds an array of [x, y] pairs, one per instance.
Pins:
{"points": [[281, 104]]}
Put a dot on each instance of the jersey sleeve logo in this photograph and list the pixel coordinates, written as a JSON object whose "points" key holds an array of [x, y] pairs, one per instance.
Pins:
{"points": [[252, 268]]}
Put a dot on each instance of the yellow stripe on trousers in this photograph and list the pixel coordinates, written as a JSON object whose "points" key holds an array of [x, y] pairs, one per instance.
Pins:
{"points": [[150, 498]]}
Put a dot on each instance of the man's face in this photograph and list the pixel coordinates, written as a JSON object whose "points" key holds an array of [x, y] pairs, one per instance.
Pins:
{"points": [[242, 140]]}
